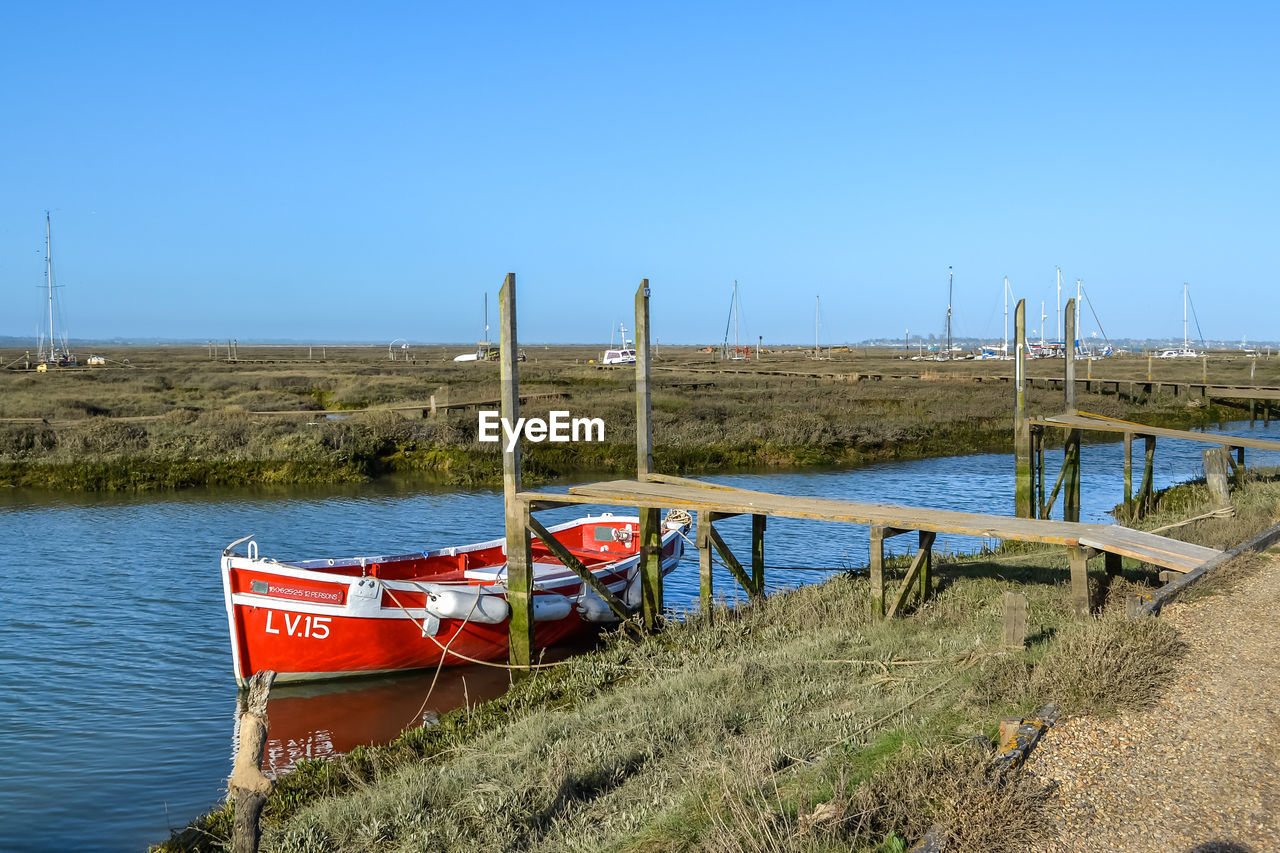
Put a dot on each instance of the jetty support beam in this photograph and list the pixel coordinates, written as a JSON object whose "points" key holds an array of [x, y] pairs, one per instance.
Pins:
{"points": [[757, 553], [705, 578], [1024, 484], [732, 562], [573, 564], [875, 567], [651, 600], [519, 551], [920, 567], [1078, 556]]}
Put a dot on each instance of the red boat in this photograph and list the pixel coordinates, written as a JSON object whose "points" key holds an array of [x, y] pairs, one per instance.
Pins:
{"points": [[315, 619]]}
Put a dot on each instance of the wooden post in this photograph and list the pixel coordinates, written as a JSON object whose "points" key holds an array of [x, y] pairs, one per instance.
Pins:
{"points": [[1128, 472], [1037, 437], [703, 539], [650, 517], [1215, 474], [1147, 488], [1239, 466], [926, 565], [519, 551], [249, 786], [1071, 498], [1069, 344], [1079, 559], [1112, 563], [1015, 620], [757, 554], [1024, 484], [876, 571]]}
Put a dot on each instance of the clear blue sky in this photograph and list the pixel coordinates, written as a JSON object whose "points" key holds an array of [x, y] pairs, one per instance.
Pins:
{"points": [[335, 171]]}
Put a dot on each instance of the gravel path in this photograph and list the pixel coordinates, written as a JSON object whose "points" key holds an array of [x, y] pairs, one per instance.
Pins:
{"points": [[1199, 772]]}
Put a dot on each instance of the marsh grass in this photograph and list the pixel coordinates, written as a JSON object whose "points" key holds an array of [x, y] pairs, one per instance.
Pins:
{"points": [[188, 410], [729, 734]]}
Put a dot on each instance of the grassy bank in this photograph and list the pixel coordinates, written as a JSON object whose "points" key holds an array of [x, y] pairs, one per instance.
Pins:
{"points": [[798, 723], [175, 418]]}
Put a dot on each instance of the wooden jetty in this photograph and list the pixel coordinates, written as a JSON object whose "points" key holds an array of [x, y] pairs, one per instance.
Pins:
{"points": [[651, 492]]}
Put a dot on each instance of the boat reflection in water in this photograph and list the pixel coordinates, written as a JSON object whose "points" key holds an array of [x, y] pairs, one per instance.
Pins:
{"points": [[323, 719]]}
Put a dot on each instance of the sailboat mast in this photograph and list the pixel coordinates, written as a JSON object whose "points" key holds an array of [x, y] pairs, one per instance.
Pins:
{"points": [[48, 259], [817, 314], [1058, 316], [737, 311], [1187, 343], [1006, 316], [1079, 305], [951, 277]]}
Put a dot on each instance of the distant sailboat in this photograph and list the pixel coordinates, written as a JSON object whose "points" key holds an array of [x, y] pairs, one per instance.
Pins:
{"points": [[52, 354], [1187, 350]]}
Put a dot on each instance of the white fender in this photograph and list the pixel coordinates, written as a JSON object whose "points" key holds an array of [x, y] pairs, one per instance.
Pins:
{"points": [[549, 608], [472, 605], [594, 609], [632, 594]]}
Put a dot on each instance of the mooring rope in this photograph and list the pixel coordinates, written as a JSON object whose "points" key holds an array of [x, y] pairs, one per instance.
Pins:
{"points": [[444, 648]]}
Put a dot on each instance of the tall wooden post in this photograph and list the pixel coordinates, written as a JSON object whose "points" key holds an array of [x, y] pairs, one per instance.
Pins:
{"points": [[1024, 484], [1128, 472], [650, 517], [1069, 345], [703, 539], [876, 570], [519, 552], [757, 553], [1147, 489]]}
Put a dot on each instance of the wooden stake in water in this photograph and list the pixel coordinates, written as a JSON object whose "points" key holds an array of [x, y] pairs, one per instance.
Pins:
{"points": [[1024, 486], [651, 598], [249, 787]]}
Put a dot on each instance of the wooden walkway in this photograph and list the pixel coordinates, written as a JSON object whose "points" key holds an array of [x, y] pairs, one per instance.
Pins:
{"points": [[1101, 423], [885, 520]]}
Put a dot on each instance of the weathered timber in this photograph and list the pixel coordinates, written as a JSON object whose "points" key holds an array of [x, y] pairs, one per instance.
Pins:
{"points": [[519, 551], [650, 521], [1176, 587], [1078, 558], [1143, 546], [1069, 362], [757, 553], [1024, 484], [913, 571], [1015, 620], [1216, 465], [249, 787], [1101, 423], [705, 577]]}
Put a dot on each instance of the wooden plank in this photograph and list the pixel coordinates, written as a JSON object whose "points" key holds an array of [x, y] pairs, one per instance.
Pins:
{"points": [[573, 564], [1101, 423]]}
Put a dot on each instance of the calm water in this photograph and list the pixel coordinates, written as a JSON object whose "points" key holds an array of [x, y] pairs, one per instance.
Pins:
{"points": [[120, 704]]}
